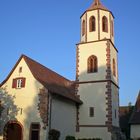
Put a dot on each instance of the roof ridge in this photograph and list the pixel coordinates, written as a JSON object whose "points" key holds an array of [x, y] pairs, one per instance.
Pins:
{"points": [[27, 57]]}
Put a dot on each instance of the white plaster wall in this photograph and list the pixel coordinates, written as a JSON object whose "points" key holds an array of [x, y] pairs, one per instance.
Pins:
{"points": [[63, 117], [26, 98], [93, 95], [92, 36], [135, 131], [91, 132], [115, 105], [85, 51]]}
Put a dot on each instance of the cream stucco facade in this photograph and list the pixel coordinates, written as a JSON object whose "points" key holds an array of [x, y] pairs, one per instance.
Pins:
{"points": [[26, 102], [26, 99]]}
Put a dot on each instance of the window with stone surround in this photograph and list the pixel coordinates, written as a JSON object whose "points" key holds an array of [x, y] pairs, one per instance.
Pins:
{"points": [[91, 111], [92, 64], [83, 27], [35, 131], [92, 24], [104, 24], [112, 28], [18, 82], [114, 67]]}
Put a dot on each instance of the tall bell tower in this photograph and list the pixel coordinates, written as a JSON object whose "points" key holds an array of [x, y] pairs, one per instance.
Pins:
{"points": [[97, 75]]}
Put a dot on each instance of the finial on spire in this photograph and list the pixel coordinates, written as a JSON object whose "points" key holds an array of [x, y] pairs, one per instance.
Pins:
{"points": [[97, 5], [97, 2]]}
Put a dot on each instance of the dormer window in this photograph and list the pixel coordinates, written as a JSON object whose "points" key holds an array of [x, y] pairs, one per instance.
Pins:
{"points": [[18, 83]]}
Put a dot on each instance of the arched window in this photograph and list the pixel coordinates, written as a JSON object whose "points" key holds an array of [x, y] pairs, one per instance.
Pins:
{"points": [[92, 24], [114, 67], [83, 27], [112, 28], [92, 64], [104, 24]]}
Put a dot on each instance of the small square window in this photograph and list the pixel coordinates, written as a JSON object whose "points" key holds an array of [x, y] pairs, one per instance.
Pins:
{"points": [[20, 69], [91, 111]]}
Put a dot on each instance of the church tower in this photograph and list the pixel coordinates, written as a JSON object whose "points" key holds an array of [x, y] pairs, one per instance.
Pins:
{"points": [[97, 75]]}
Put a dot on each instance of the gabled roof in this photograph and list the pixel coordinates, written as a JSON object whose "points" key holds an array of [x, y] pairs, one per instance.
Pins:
{"points": [[54, 82], [123, 110], [135, 118], [124, 116]]}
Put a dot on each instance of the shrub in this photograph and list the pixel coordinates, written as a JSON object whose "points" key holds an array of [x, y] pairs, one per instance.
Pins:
{"points": [[54, 134], [70, 138]]}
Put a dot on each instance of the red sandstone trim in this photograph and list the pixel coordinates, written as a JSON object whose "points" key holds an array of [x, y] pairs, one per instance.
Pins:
{"points": [[86, 29], [76, 88], [98, 81], [105, 39], [98, 24], [108, 89], [77, 63], [77, 119], [12, 122]]}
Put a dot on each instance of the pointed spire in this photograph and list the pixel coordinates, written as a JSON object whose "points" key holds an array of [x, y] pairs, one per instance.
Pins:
{"points": [[97, 5], [97, 2]]}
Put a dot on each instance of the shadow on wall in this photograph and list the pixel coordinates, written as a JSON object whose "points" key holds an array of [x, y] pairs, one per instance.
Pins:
{"points": [[36, 112], [8, 109]]}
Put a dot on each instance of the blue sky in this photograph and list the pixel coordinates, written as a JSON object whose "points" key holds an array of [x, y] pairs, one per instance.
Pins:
{"points": [[47, 31]]}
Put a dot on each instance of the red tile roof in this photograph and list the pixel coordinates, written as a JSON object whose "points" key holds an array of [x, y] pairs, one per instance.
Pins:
{"points": [[135, 118], [97, 5], [54, 82]]}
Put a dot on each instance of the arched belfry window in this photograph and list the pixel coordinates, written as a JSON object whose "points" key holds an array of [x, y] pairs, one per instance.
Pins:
{"points": [[83, 27], [112, 28], [114, 67], [92, 24], [92, 64], [104, 24]]}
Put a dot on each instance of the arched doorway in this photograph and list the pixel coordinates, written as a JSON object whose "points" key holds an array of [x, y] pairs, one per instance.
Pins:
{"points": [[13, 131]]}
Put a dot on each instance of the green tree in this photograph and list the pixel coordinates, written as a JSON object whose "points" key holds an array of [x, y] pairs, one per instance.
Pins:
{"points": [[8, 109]]}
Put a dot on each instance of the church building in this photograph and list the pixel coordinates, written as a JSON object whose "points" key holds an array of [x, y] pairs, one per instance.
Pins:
{"points": [[87, 107]]}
